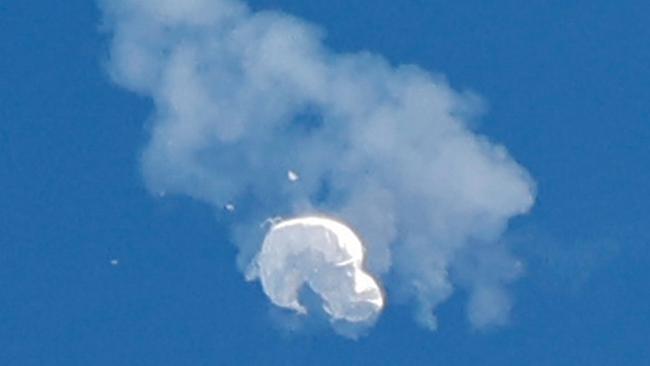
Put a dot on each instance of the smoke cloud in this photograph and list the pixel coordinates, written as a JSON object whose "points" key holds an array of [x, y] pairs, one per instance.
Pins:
{"points": [[243, 99]]}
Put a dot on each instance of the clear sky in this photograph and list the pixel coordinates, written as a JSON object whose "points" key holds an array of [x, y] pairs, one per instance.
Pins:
{"points": [[566, 91]]}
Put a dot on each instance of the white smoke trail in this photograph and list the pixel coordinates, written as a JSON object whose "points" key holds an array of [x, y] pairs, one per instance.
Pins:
{"points": [[243, 97]]}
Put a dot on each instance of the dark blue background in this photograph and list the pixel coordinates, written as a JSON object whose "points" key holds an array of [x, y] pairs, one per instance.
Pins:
{"points": [[567, 87]]}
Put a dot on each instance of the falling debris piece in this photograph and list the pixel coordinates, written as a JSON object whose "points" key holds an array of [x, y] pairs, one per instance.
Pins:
{"points": [[293, 176], [114, 262], [229, 207]]}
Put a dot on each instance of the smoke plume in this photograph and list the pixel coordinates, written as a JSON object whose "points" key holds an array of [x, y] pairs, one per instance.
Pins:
{"points": [[245, 100]]}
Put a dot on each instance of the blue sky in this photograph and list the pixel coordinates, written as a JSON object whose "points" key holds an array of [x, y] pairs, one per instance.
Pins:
{"points": [[566, 89]]}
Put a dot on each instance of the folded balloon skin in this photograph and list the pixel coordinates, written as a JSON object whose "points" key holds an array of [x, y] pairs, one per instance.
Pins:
{"points": [[325, 255]]}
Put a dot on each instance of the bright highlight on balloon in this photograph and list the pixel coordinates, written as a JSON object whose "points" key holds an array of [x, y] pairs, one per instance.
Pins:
{"points": [[325, 255]]}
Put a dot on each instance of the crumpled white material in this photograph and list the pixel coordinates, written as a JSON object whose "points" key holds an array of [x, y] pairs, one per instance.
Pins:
{"points": [[325, 255]]}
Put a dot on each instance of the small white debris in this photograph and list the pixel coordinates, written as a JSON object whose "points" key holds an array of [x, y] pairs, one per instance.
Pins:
{"points": [[229, 207], [114, 262], [293, 176]]}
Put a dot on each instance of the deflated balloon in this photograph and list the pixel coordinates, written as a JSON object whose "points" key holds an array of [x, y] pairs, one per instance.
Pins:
{"points": [[327, 256]]}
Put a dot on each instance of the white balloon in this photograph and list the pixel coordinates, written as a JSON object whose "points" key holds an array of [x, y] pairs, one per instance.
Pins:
{"points": [[327, 256]]}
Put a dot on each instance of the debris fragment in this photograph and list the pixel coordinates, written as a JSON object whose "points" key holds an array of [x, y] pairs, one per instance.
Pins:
{"points": [[293, 176]]}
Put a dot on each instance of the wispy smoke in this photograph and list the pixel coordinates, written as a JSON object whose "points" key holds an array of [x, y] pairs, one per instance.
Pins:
{"points": [[241, 98]]}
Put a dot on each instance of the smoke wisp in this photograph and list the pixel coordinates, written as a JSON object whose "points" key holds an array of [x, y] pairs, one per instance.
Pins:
{"points": [[242, 97]]}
